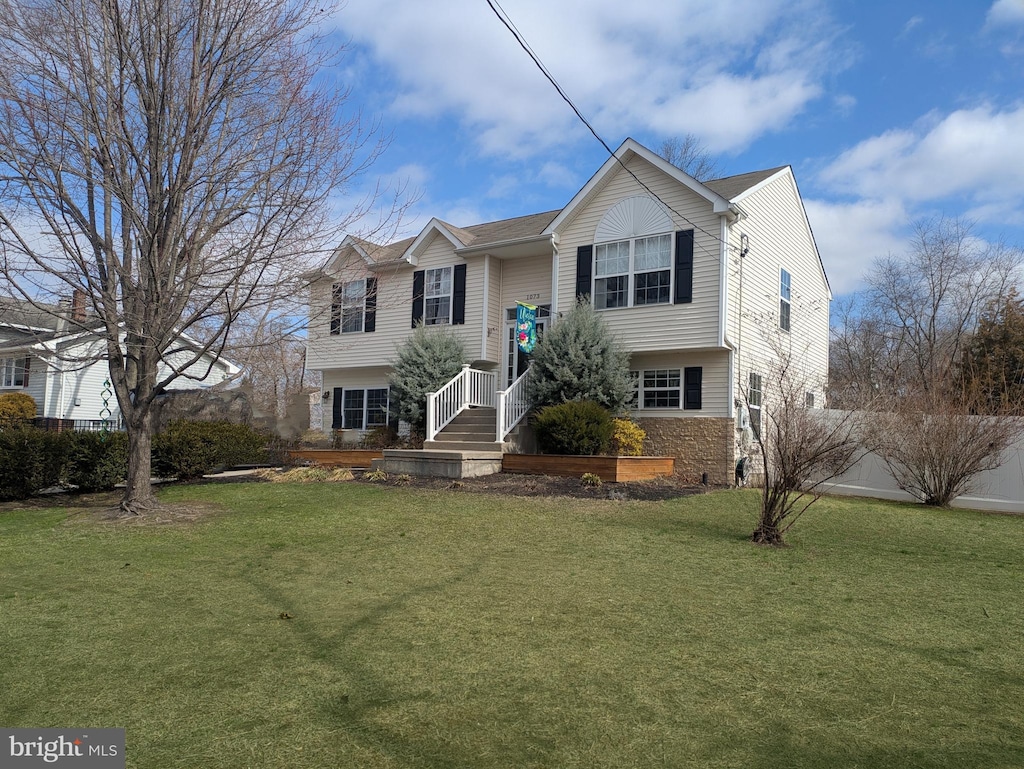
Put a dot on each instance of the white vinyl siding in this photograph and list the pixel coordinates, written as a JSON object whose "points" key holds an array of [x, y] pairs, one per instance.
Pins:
{"points": [[661, 327], [779, 241], [394, 306], [658, 374]]}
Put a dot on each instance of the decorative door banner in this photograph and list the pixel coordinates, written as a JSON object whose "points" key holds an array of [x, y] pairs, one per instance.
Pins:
{"points": [[526, 326]]}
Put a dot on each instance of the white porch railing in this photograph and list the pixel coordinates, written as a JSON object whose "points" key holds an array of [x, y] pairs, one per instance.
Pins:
{"points": [[469, 387], [512, 406]]}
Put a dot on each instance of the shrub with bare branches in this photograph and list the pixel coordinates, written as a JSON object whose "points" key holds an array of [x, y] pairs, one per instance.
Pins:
{"points": [[934, 443]]}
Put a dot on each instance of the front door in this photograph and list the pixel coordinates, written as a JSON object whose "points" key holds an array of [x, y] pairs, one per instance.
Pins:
{"points": [[516, 360]]}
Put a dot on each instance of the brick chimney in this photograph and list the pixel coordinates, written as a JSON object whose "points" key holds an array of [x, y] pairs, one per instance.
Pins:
{"points": [[78, 305]]}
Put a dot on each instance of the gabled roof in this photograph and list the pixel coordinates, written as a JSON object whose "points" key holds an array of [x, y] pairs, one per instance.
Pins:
{"points": [[513, 236], [626, 152], [732, 187]]}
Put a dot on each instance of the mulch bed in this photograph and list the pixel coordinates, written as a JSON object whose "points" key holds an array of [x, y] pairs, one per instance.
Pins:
{"points": [[519, 485]]}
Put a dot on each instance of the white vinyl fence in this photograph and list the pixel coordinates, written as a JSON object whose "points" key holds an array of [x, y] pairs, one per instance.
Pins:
{"points": [[999, 490]]}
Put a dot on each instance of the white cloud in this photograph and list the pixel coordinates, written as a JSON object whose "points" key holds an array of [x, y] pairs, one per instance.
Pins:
{"points": [[850, 236], [670, 68], [971, 154], [1005, 13], [912, 22]]}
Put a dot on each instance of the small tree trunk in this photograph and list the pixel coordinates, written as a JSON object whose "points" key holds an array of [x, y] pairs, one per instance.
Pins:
{"points": [[138, 495], [767, 533]]}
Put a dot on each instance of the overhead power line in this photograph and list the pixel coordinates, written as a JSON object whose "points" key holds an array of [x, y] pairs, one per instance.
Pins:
{"points": [[503, 17]]}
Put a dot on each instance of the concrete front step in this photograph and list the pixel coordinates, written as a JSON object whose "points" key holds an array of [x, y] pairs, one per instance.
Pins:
{"points": [[444, 464], [466, 435], [491, 446]]}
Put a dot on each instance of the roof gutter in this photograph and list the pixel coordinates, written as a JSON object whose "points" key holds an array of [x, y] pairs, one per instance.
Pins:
{"points": [[497, 245]]}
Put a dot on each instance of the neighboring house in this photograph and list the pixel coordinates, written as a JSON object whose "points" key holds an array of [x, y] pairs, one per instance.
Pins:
{"points": [[701, 282], [64, 369]]}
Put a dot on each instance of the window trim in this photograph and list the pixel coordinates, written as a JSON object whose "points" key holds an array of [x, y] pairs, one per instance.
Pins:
{"points": [[364, 409], [785, 298], [675, 392], [631, 274], [15, 371], [755, 392], [427, 296], [339, 307]]}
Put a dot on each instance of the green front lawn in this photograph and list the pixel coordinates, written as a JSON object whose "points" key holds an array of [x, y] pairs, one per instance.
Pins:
{"points": [[447, 629]]}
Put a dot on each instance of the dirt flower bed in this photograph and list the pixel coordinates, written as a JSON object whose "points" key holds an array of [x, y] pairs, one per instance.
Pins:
{"points": [[518, 485]]}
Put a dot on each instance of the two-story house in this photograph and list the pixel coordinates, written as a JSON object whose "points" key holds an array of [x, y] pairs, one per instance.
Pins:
{"points": [[64, 367], [695, 279]]}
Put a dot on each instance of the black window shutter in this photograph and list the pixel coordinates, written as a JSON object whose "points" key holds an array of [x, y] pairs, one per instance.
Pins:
{"points": [[370, 320], [584, 270], [459, 296], [417, 296], [338, 415], [692, 377], [28, 365], [684, 267], [336, 308]]}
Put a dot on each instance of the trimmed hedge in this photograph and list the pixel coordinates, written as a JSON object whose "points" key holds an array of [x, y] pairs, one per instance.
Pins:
{"points": [[96, 461], [189, 450], [32, 460], [576, 427]]}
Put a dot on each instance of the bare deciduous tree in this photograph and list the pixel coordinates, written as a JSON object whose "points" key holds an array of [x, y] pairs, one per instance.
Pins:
{"points": [[172, 160], [921, 310], [689, 155], [801, 448]]}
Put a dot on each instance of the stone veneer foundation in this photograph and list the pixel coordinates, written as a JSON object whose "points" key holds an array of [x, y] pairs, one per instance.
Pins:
{"points": [[699, 444]]}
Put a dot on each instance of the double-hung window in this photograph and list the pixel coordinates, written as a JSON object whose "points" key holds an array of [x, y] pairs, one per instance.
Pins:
{"points": [[364, 409], [611, 275], [629, 273], [755, 396], [785, 299], [437, 293], [13, 372], [348, 306], [652, 270]]}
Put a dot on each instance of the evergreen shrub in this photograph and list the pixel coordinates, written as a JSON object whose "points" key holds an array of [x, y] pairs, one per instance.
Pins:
{"points": [[425, 362], [188, 450], [30, 461], [578, 359], [576, 427], [96, 461]]}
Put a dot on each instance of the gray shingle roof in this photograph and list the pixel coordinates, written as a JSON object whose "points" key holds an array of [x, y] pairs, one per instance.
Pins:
{"points": [[531, 225], [14, 312], [730, 187]]}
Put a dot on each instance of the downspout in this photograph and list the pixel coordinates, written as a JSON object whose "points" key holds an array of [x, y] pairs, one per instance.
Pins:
{"points": [[554, 280], [723, 314], [486, 311]]}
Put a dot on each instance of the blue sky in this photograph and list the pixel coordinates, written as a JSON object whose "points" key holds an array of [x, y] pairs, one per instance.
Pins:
{"points": [[889, 112]]}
